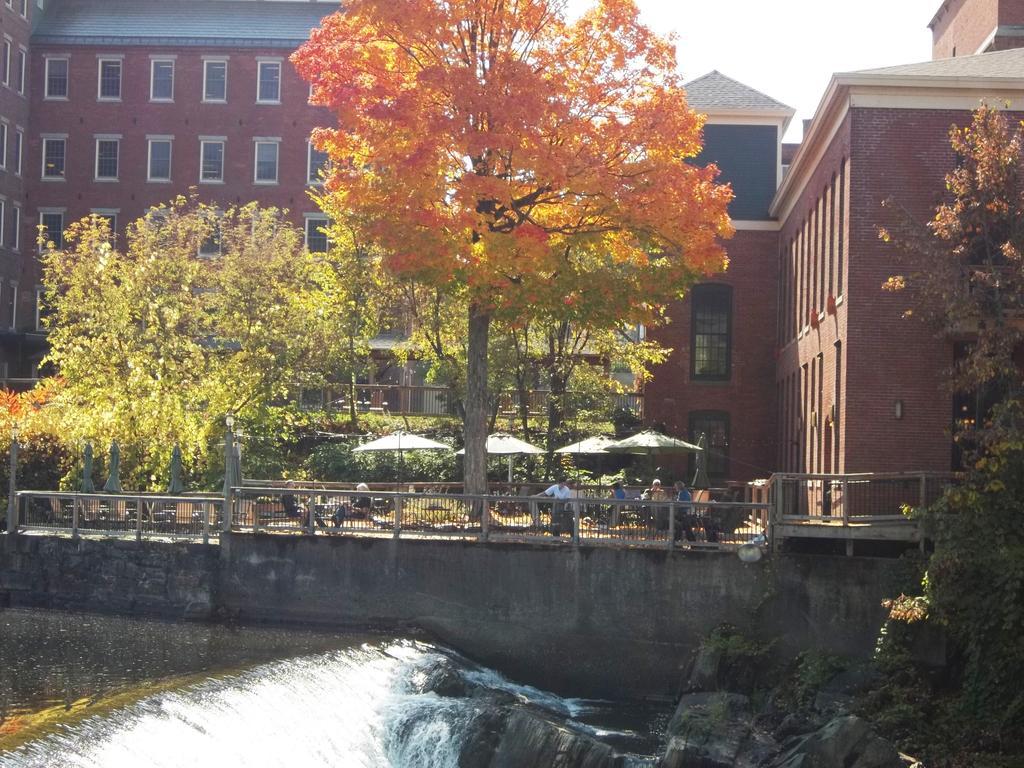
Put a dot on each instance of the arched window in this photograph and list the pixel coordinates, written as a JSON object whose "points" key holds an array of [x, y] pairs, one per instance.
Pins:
{"points": [[711, 333]]}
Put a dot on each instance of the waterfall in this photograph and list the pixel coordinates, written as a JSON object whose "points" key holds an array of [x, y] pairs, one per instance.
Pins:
{"points": [[400, 703]]}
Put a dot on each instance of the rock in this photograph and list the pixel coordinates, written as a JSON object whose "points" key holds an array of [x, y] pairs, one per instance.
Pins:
{"points": [[705, 671], [531, 738], [482, 737], [844, 742], [708, 730], [444, 679]]}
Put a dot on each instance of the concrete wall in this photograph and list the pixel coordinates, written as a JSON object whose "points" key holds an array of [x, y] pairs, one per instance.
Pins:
{"points": [[588, 621]]}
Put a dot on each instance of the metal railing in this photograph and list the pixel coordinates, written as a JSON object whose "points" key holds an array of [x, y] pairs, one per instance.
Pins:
{"points": [[322, 511], [141, 515], [855, 498], [401, 399]]}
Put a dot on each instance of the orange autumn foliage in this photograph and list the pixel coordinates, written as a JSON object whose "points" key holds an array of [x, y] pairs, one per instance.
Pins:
{"points": [[537, 161]]}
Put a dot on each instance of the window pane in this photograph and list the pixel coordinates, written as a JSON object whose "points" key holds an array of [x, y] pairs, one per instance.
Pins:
{"points": [[711, 332], [6, 64], [106, 159], [160, 160], [211, 245], [53, 224], [163, 80], [270, 82], [317, 163], [266, 161], [213, 161], [21, 71], [57, 78], [53, 158], [215, 88], [110, 79], [316, 239], [18, 138], [714, 426]]}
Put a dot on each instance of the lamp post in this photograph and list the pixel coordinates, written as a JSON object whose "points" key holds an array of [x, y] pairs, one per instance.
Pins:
{"points": [[12, 484]]}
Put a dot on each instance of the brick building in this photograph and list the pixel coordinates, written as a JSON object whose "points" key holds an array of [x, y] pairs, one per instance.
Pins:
{"points": [[794, 359]]}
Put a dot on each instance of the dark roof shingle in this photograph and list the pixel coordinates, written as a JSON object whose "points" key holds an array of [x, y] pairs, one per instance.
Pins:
{"points": [[716, 91], [179, 22]]}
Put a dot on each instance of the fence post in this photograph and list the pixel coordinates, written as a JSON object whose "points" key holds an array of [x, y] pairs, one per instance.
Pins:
{"points": [[12, 485], [485, 520], [846, 499], [672, 525], [138, 517], [76, 504], [398, 516], [576, 523], [923, 492], [311, 514], [206, 522]]}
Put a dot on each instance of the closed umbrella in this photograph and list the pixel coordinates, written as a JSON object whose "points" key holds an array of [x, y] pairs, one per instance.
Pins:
{"points": [[504, 444], [87, 485], [700, 476], [175, 486], [113, 484], [401, 442]]}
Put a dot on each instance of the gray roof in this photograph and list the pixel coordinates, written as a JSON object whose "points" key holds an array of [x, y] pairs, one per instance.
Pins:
{"points": [[997, 64], [179, 22], [716, 91]]}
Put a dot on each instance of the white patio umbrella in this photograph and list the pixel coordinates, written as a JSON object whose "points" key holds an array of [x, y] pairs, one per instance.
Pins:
{"points": [[649, 442], [402, 441], [591, 446], [504, 444]]}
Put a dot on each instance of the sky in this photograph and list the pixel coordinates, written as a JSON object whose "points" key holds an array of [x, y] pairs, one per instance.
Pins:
{"points": [[789, 49]]}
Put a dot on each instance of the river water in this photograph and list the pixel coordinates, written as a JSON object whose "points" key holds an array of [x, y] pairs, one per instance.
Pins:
{"points": [[105, 692]]}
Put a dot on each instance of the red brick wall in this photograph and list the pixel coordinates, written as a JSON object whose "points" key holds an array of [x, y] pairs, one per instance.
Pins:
{"points": [[749, 396], [965, 24], [187, 118]]}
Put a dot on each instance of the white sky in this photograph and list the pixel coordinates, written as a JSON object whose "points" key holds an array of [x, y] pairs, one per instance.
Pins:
{"points": [[789, 49]]}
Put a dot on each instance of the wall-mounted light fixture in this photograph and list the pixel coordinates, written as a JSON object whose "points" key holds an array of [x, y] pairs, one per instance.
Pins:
{"points": [[897, 409]]}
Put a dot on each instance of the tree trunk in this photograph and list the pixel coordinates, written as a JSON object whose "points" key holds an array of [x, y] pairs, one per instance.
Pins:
{"points": [[475, 423]]}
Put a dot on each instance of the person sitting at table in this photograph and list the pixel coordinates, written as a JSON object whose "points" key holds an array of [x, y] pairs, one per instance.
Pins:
{"points": [[684, 513], [289, 502], [363, 504], [618, 492]]}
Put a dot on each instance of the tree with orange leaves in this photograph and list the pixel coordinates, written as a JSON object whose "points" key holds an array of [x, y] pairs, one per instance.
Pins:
{"points": [[495, 146]]}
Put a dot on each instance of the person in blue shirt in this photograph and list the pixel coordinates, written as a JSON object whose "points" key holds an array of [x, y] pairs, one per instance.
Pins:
{"points": [[684, 514], [617, 490]]}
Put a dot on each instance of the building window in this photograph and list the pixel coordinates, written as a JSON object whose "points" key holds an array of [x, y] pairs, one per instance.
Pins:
{"points": [[23, 8], [41, 313], [15, 228], [210, 246], [266, 162], [5, 63], [161, 80], [711, 332], [106, 158], [3, 222], [53, 227], [110, 216], [109, 80], [316, 237], [215, 81], [14, 305], [269, 87], [159, 167], [316, 165], [56, 78], [714, 426], [212, 154], [22, 67], [3, 145], [54, 156], [19, 142]]}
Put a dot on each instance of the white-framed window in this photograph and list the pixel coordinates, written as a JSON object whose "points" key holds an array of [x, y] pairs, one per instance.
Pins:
{"points": [[210, 247], [19, 145], [215, 80], [266, 156], [52, 222], [15, 227], [316, 237], [23, 8], [107, 151], [40, 307], [14, 305], [268, 83], [5, 61], [161, 79], [3, 144], [316, 164], [3, 221], [56, 78], [158, 166], [211, 160], [54, 156], [109, 78], [21, 71], [110, 214]]}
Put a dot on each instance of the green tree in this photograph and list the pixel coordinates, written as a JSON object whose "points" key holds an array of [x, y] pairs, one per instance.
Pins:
{"points": [[154, 343]]}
